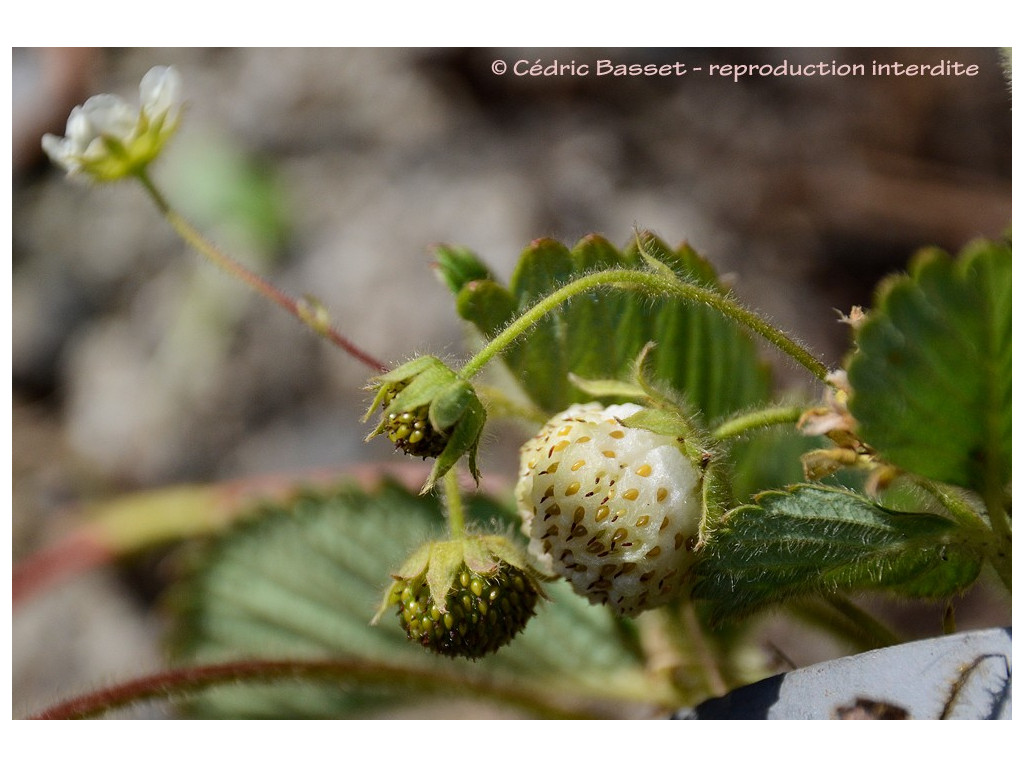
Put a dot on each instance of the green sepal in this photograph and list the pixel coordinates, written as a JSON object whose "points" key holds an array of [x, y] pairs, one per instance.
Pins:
{"points": [[450, 404], [607, 389], [464, 439], [446, 560], [812, 540], [397, 379]]}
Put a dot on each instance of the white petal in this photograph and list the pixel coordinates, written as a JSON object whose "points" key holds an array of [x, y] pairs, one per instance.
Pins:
{"points": [[111, 116], [59, 151], [160, 91], [79, 130]]}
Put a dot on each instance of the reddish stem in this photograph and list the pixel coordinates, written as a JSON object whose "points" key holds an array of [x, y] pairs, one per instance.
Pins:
{"points": [[234, 268], [347, 671]]}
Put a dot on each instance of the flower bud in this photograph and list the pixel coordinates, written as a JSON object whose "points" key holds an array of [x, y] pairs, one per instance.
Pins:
{"points": [[466, 597]]}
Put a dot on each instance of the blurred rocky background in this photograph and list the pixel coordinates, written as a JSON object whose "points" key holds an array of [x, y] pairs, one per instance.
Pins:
{"points": [[136, 365]]}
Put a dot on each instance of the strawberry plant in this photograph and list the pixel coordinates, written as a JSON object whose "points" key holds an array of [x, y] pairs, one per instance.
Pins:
{"points": [[647, 531]]}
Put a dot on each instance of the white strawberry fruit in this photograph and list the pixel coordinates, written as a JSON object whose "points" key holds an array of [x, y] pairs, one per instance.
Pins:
{"points": [[613, 509]]}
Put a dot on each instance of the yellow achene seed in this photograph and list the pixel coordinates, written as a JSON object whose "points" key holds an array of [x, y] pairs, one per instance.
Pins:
{"points": [[576, 465], [631, 495], [662, 494], [644, 471], [572, 489]]}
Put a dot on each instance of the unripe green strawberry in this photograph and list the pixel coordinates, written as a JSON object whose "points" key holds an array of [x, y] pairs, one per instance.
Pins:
{"points": [[429, 411], [464, 597], [613, 509], [411, 430]]}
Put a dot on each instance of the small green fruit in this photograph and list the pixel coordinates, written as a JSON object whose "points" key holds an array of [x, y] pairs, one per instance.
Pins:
{"points": [[480, 613], [467, 597]]}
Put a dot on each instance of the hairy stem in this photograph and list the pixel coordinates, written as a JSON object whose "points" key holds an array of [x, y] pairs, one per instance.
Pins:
{"points": [[189, 681], [301, 310], [746, 422], [453, 503], [701, 650], [652, 283]]}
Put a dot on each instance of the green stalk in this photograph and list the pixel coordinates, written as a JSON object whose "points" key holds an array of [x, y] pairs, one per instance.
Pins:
{"points": [[767, 417], [453, 503], [313, 317], [653, 283]]}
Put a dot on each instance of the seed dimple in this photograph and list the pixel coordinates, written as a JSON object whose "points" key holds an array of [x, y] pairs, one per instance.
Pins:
{"points": [[584, 439], [662, 494], [561, 445], [572, 489], [653, 552], [664, 524], [617, 434], [619, 535], [642, 521], [577, 515], [576, 465], [552, 468], [564, 430], [680, 540], [609, 454], [602, 513], [631, 495], [644, 470], [553, 511]]}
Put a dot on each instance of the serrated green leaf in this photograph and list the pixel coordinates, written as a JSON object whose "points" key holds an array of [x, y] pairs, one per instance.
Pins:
{"points": [[458, 266], [813, 540], [932, 372], [598, 334], [304, 582], [485, 304]]}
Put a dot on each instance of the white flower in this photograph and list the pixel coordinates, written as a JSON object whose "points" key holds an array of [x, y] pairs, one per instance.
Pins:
{"points": [[613, 509], [108, 139]]}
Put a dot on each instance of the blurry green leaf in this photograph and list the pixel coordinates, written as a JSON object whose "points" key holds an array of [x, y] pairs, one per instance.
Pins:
{"points": [[598, 335], [238, 194], [813, 540], [458, 266], [931, 375], [304, 582]]}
